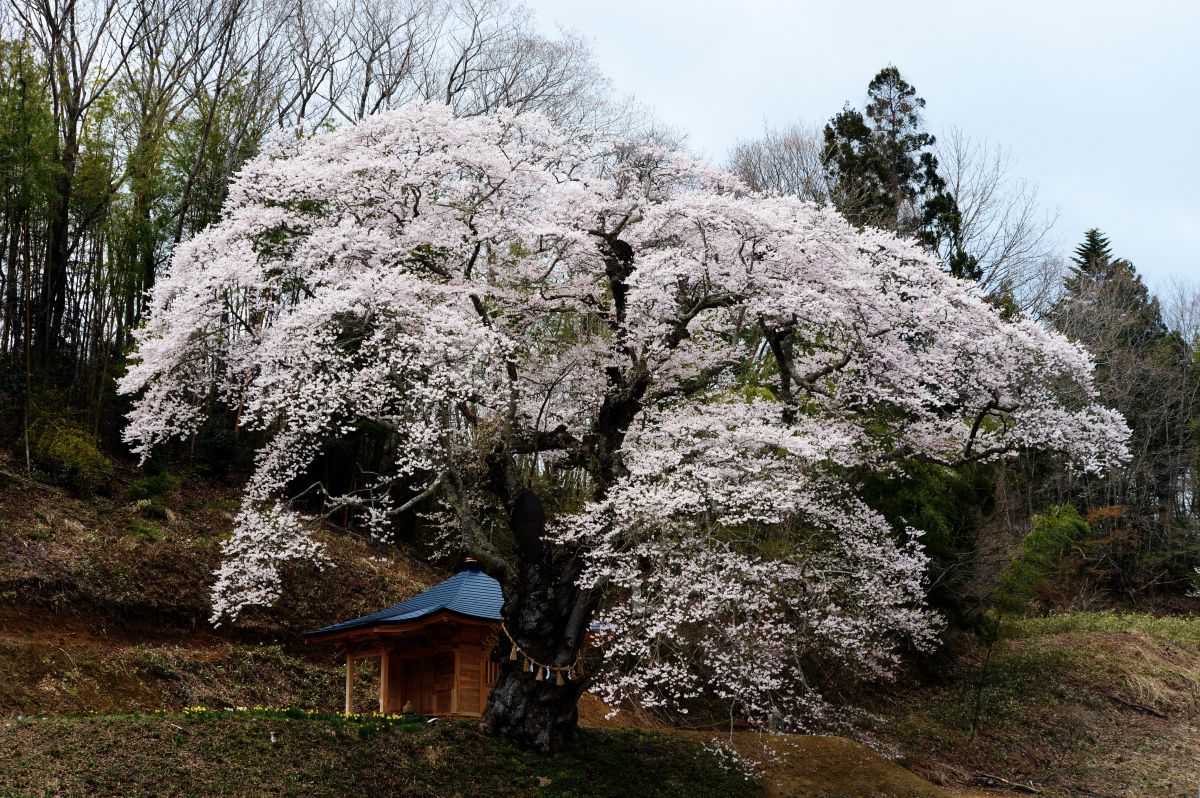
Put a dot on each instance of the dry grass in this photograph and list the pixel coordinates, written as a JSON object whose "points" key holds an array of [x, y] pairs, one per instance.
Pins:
{"points": [[103, 608], [1183, 629], [61, 666], [1087, 704], [103, 558]]}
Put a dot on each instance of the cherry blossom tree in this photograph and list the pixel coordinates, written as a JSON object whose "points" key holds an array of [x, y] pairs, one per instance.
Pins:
{"points": [[641, 396]]}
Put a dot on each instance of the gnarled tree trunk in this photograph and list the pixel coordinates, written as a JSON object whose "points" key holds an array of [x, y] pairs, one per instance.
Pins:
{"points": [[546, 614]]}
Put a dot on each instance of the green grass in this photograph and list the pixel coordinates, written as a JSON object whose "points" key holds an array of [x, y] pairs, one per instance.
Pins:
{"points": [[297, 753], [1179, 628], [145, 530], [1012, 680], [1021, 716]]}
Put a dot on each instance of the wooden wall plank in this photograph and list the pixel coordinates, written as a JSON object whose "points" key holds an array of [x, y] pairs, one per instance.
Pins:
{"points": [[468, 680]]}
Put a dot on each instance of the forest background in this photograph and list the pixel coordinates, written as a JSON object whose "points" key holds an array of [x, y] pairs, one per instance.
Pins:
{"points": [[123, 124]]}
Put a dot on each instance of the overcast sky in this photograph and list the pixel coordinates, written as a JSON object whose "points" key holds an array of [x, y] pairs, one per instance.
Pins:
{"points": [[1097, 100]]}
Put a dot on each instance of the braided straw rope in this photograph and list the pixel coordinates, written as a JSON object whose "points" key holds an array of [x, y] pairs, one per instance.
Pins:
{"points": [[574, 670]]}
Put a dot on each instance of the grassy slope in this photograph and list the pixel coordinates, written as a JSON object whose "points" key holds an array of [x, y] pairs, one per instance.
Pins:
{"points": [[1077, 704], [102, 558], [104, 610], [236, 754]]}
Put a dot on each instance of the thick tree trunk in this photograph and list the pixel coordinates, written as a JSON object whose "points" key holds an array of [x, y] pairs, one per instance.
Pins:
{"points": [[546, 616], [536, 715]]}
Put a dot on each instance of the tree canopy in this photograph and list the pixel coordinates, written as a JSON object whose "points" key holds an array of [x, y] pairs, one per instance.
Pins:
{"points": [[640, 395], [884, 172]]}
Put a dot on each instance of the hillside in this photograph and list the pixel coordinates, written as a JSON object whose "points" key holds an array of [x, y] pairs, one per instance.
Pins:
{"points": [[1098, 703], [262, 753], [103, 622], [103, 608]]}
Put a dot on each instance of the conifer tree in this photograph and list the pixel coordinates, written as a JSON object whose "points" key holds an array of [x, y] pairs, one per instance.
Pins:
{"points": [[1106, 300], [884, 174], [1145, 371], [1094, 250]]}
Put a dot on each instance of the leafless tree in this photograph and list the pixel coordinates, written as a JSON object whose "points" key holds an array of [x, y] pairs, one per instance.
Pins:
{"points": [[1180, 301], [1041, 286], [1004, 226], [783, 161], [385, 42], [245, 54], [356, 57], [308, 77], [493, 56]]}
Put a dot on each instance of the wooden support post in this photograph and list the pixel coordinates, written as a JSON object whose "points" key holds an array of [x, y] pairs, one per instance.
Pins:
{"points": [[384, 685], [454, 685], [349, 683]]}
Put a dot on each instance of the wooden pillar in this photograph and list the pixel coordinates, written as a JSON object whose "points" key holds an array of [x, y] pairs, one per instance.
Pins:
{"points": [[485, 657], [384, 686], [349, 683], [454, 684]]}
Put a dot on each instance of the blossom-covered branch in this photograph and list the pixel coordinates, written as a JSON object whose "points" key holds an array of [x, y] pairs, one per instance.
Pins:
{"points": [[639, 393]]}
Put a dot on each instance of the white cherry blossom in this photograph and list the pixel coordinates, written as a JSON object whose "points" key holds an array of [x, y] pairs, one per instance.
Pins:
{"points": [[710, 373]]}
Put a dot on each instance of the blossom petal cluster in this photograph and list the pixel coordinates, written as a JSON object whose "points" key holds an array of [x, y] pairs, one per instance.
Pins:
{"points": [[710, 370]]}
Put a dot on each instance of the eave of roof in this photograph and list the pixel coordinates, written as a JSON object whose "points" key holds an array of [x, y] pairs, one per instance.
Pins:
{"points": [[469, 593]]}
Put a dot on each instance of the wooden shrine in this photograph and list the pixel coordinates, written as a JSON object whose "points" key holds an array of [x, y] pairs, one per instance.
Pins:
{"points": [[434, 650]]}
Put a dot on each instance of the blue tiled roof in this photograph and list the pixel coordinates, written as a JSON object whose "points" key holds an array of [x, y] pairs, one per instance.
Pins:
{"points": [[469, 592]]}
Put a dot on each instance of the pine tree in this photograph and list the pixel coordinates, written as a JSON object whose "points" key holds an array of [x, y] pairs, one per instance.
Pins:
{"points": [[881, 166], [1106, 300], [1094, 250]]}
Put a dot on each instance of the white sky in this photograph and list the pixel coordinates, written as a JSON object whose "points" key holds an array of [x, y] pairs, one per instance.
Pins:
{"points": [[1097, 100]]}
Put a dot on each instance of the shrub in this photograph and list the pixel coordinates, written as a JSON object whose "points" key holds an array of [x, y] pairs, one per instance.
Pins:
{"points": [[155, 486], [150, 493], [1044, 558], [70, 455]]}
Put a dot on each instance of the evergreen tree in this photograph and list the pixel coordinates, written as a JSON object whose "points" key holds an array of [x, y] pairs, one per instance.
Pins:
{"points": [[942, 232], [1140, 517], [1105, 300], [881, 166], [1094, 250]]}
